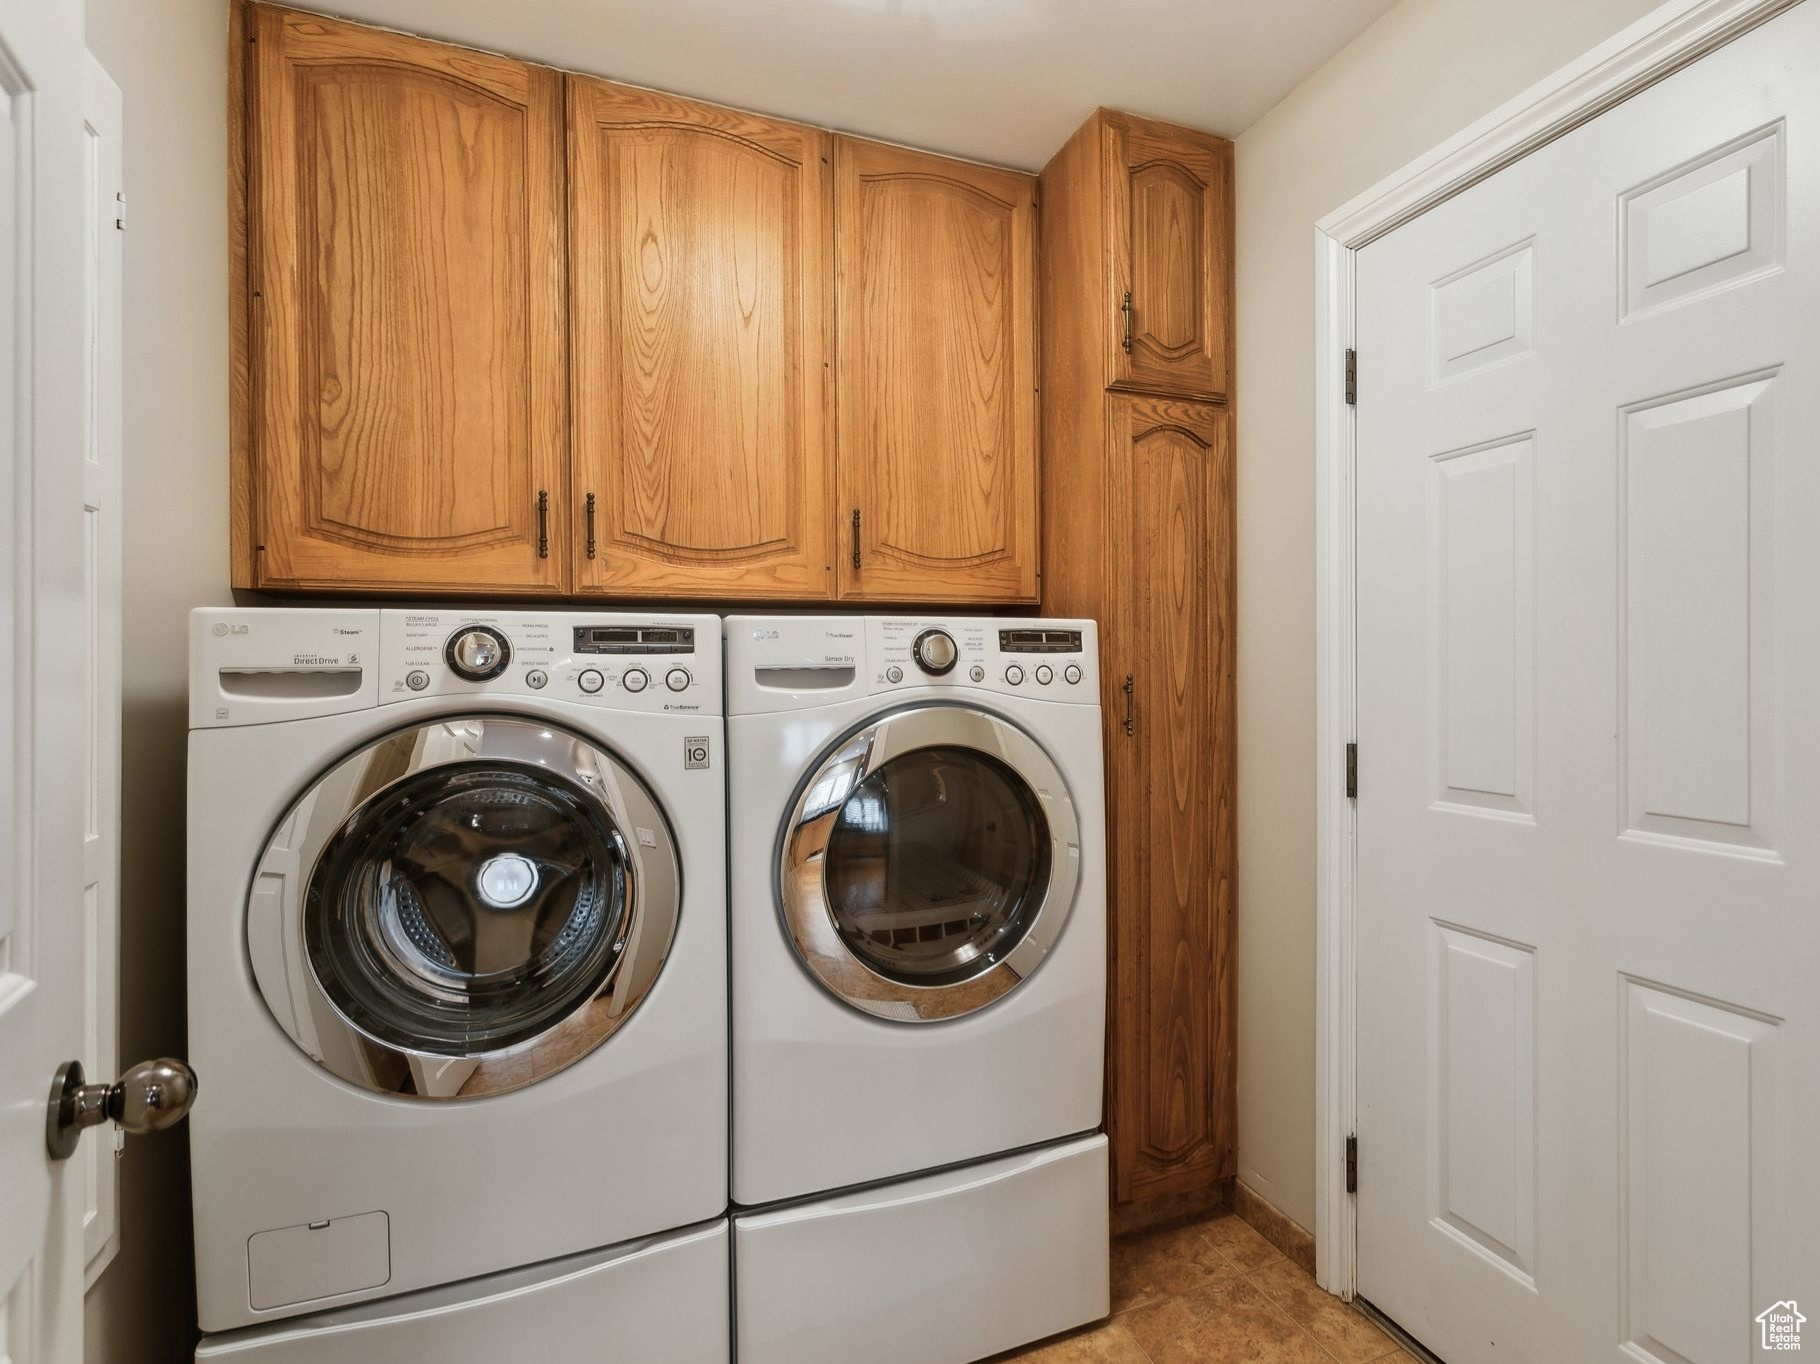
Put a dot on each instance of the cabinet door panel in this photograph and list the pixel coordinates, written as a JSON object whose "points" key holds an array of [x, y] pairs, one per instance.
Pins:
{"points": [[936, 376], [1168, 201], [1170, 1110], [699, 241], [407, 263]]}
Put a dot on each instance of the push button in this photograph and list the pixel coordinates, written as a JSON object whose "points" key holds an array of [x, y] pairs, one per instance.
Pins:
{"points": [[894, 673], [1045, 674], [536, 679], [417, 679], [1014, 675], [591, 681], [677, 679], [1073, 673], [635, 680]]}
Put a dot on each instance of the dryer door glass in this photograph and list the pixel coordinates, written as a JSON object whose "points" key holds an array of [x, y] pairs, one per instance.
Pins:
{"points": [[936, 865], [930, 863], [463, 907]]}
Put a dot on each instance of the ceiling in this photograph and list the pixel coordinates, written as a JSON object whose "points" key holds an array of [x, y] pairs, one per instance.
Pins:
{"points": [[997, 80]]}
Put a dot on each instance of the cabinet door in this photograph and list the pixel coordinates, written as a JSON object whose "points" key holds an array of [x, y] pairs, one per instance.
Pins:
{"points": [[406, 260], [1169, 204], [699, 245], [1170, 788], [935, 372]]}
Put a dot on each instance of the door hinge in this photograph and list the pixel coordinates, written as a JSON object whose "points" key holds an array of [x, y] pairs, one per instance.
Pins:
{"points": [[120, 212], [1352, 771], [1352, 1164], [1352, 377]]}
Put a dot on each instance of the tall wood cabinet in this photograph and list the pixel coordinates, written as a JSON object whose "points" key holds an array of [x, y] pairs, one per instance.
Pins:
{"points": [[1138, 506], [935, 319], [506, 331], [407, 375]]}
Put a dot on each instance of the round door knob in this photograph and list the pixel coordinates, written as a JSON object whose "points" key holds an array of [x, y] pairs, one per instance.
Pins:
{"points": [[150, 1097], [1045, 674], [1014, 675], [478, 653], [591, 681], [935, 652], [636, 679], [677, 679]]}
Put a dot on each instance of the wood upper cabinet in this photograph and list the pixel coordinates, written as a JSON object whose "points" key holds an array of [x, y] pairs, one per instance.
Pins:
{"points": [[1171, 1042], [935, 371], [405, 280], [699, 247], [1168, 226]]}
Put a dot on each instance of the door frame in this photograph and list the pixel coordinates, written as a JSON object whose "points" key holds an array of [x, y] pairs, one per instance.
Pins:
{"points": [[1663, 41]]}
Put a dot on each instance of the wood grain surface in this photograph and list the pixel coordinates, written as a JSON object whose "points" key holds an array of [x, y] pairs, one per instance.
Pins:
{"points": [[700, 243], [935, 369]]}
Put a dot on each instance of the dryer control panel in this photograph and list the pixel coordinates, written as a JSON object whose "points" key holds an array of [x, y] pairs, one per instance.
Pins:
{"points": [[784, 662]]}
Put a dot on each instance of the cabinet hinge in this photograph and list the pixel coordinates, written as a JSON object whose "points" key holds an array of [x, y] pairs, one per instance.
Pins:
{"points": [[1352, 771], [1352, 378], [1352, 1164]]}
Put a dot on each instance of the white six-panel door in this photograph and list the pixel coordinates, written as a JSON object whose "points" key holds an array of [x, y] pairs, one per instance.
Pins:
{"points": [[44, 732], [1588, 575]]}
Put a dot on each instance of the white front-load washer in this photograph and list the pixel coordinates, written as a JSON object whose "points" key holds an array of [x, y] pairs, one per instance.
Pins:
{"points": [[457, 976], [918, 937]]}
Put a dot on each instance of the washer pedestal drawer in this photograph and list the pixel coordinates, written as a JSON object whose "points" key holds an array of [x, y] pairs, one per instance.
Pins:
{"points": [[660, 1300], [928, 1270]]}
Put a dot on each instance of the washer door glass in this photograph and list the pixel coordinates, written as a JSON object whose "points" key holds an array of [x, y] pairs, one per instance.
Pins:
{"points": [[474, 904], [930, 863]]}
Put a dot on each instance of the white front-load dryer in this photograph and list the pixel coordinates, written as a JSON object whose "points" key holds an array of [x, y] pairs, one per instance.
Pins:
{"points": [[457, 963], [918, 937]]}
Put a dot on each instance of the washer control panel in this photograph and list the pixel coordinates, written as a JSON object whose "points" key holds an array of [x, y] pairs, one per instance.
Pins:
{"points": [[661, 664]]}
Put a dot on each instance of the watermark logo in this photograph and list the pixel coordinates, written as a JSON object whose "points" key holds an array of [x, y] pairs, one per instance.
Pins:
{"points": [[1781, 1325]]}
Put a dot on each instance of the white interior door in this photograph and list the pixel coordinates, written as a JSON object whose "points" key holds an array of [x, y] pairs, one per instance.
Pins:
{"points": [[1589, 726], [43, 973]]}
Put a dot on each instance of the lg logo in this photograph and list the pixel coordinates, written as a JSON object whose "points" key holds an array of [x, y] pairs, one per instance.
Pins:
{"points": [[223, 629]]}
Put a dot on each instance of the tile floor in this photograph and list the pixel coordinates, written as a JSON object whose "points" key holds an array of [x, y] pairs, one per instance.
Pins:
{"points": [[1213, 1291]]}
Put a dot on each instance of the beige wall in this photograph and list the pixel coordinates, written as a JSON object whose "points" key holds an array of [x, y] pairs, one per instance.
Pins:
{"points": [[1420, 74], [169, 59]]}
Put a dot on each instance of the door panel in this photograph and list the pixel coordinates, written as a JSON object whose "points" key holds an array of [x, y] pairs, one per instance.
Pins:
{"points": [[1169, 1112], [700, 241], [44, 975], [1168, 204], [936, 376], [1589, 816], [407, 264]]}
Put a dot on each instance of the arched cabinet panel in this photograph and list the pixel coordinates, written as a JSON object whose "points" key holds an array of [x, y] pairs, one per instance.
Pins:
{"points": [[936, 375], [1168, 205], [699, 246], [405, 273]]}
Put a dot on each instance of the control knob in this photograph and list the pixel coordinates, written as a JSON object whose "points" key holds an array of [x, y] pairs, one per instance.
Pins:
{"points": [[935, 652], [478, 653]]}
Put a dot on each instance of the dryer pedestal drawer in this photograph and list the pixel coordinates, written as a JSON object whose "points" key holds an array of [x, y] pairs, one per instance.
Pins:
{"points": [[929, 1270], [661, 1300]]}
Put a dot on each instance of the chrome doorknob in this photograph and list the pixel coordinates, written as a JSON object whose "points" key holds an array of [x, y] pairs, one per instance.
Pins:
{"points": [[150, 1097]]}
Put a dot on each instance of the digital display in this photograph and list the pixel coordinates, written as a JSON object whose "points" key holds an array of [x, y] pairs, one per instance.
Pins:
{"points": [[634, 639], [1039, 641]]}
